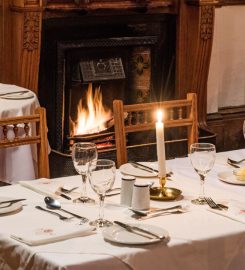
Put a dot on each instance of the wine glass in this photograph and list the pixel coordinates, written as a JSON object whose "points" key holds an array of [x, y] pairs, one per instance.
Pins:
{"points": [[82, 154], [101, 178], [202, 157]]}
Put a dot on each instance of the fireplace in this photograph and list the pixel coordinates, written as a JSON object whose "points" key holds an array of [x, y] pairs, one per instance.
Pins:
{"points": [[132, 60], [37, 31]]}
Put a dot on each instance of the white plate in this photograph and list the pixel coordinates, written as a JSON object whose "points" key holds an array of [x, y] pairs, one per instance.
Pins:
{"points": [[120, 235], [18, 96], [11, 208], [230, 178], [129, 169]]}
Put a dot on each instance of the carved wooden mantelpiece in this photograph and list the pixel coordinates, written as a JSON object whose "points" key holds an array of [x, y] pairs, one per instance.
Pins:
{"points": [[22, 21]]}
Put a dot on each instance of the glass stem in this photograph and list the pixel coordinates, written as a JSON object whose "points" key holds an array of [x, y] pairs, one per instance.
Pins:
{"points": [[101, 206], [201, 193], [84, 191]]}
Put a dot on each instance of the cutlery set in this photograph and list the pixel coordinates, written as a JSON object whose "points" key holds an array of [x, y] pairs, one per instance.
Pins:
{"points": [[140, 231], [17, 95], [9, 202], [234, 163], [147, 168]]}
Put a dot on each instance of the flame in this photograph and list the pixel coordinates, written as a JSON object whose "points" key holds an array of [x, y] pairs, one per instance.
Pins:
{"points": [[92, 116], [159, 116]]}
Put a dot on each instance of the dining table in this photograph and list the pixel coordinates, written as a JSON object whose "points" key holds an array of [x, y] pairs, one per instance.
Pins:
{"points": [[198, 238], [17, 163]]}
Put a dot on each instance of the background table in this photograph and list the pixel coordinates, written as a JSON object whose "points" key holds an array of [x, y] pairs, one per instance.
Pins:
{"points": [[17, 163], [199, 239]]}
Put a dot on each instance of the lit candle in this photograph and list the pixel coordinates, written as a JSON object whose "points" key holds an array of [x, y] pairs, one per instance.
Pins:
{"points": [[160, 145]]}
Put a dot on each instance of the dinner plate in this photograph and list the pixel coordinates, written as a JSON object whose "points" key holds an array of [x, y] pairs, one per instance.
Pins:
{"points": [[17, 96], [120, 235], [14, 207], [129, 169], [230, 178]]}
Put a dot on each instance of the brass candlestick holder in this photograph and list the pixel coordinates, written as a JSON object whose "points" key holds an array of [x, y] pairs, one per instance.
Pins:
{"points": [[163, 193]]}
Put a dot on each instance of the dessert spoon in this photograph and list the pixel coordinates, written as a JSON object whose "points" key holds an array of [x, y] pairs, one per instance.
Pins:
{"points": [[54, 204]]}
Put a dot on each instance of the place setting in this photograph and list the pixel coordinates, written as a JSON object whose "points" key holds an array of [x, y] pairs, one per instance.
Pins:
{"points": [[17, 95], [10, 205], [234, 177]]}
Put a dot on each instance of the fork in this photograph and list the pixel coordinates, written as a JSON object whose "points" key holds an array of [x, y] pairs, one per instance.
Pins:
{"points": [[54, 213], [212, 203], [236, 161]]}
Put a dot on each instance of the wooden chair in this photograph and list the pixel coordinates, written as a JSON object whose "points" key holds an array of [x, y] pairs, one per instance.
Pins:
{"points": [[142, 117], [35, 132]]}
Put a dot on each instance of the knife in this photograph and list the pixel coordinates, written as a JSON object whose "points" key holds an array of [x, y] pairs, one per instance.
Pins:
{"points": [[12, 201], [65, 196], [139, 231], [145, 213], [143, 167]]}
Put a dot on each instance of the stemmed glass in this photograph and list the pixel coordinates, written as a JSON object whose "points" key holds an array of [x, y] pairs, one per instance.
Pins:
{"points": [[202, 157], [101, 178], [82, 154]]}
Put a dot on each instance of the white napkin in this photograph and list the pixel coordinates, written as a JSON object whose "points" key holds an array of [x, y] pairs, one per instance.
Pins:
{"points": [[51, 234], [48, 187], [43, 186], [235, 212]]}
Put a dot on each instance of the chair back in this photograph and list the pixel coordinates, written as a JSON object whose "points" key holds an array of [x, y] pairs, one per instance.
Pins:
{"points": [[35, 132], [181, 113]]}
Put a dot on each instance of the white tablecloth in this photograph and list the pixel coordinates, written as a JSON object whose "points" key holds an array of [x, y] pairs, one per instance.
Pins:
{"points": [[17, 163], [199, 239]]}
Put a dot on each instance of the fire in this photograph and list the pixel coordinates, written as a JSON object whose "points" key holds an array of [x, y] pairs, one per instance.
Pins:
{"points": [[92, 116]]}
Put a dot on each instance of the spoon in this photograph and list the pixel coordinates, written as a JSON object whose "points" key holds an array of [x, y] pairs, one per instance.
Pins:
{"points": [[54, 204]]}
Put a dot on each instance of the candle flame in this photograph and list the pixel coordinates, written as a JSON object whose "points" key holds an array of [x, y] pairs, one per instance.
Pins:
{"points": [[159, 116]]}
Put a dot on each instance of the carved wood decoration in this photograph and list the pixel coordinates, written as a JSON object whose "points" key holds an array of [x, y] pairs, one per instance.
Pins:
{"points": [[207, 22], [31, 30]]}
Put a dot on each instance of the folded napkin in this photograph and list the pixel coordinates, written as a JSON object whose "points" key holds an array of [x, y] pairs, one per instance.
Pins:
{"points": [[52, 234], [49, 187], [236, 212]]}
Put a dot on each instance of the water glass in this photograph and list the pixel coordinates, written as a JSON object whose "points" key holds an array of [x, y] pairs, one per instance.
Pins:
{"points": [[101, 176], [82, 154], [202, 157]]}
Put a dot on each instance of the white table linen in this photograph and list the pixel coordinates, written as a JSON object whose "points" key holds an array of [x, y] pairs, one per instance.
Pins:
{"points": [[17, 163], [199, 239]]}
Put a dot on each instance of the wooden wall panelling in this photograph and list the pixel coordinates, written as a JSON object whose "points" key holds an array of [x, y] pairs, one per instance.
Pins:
{"points": [[227, 124], [194, 46], [5, 42], [26, 41]]}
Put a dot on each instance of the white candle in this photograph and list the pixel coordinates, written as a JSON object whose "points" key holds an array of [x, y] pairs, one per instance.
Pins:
{"points": [[160, 145]]}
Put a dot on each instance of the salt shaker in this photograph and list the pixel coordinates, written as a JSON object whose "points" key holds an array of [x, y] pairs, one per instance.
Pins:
{"points": [[127, 185], [141, 196]]}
